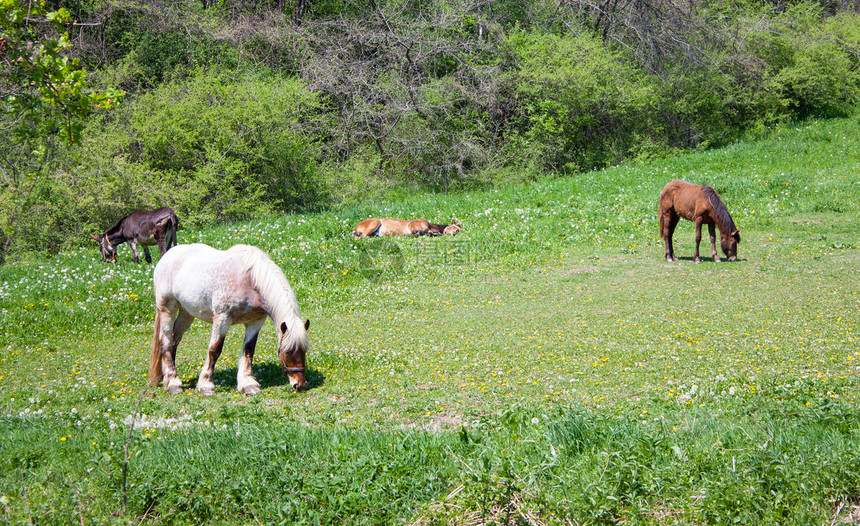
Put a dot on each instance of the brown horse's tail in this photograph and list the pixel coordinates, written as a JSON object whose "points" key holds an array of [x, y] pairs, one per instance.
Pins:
{"points": [[155, 372]]}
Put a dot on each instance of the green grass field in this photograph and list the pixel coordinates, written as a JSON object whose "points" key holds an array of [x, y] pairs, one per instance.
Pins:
{"points": [[546, 366]]}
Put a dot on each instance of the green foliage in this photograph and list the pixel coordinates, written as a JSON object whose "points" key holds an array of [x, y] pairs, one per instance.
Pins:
{"points": [[45, 101], [43, 88], [585, 108], [514, 467], [224, 148], [810, 66]]}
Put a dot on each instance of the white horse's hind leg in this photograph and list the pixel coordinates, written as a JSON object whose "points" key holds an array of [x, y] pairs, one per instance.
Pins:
{"points": [[220, 326], [245, 381], [183, 321], [168, 348]]}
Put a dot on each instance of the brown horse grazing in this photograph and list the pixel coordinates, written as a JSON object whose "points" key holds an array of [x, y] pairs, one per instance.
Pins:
{"points": [[402, 227], [702, 205], [147, 228]]}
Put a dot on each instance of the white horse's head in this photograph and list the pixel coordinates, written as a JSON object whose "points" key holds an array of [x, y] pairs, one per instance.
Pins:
{"points": [[292, 346]]}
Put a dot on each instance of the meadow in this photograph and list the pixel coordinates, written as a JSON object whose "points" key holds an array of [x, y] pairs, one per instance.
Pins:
{"points": [[545, 366]]}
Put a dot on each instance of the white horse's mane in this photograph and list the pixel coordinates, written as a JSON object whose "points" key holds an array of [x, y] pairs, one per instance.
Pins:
{"points": [[274, 289]]}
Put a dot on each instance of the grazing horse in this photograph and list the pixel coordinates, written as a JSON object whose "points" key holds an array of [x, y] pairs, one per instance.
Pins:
{"points": [[224, 287], [147, 228], [702, 205], [402, 227]]}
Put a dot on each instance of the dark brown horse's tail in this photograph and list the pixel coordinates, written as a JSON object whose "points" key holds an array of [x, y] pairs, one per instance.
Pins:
{"points": [[155, 372], [170, 239]]}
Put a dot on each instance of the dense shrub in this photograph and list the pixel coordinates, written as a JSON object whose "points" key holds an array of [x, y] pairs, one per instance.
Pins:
{"points": [[815, 71], [584, 106], [217, 147]]}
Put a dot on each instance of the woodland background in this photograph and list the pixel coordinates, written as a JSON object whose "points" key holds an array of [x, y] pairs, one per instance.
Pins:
{"points": [[236, 109]]}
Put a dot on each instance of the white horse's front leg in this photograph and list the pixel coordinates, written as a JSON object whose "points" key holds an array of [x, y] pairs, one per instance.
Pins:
{"points": [[245, 381], [220, 326]]}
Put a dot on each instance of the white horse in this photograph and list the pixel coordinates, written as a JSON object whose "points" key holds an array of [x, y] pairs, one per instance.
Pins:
{"points": [[239, 285]]}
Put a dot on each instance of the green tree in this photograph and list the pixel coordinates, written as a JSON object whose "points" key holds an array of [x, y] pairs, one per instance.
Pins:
{"points": [[45, 100]]}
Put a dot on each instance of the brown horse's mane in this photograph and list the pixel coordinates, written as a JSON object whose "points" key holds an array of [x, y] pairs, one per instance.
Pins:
{"points": [[721, 213]]}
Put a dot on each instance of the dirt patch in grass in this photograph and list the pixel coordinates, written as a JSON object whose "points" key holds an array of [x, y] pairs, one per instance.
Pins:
{"points": [[846, 513]]}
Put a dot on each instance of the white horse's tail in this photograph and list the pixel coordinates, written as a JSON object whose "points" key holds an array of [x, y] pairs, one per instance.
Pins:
{"points": [[155, 372]]}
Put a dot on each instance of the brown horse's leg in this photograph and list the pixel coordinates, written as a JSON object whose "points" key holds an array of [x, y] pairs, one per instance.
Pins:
{"points": [[168, 347], [245, 381], [220, 326], [698, 240], [367, 228], [713, 234], [670, 221]]}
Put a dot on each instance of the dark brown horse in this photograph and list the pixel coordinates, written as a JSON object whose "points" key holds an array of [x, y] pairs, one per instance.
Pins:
{"points": [[146, 228], [702, 205]]}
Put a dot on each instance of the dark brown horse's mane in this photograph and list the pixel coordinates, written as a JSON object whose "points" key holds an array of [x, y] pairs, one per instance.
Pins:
{"points": [[722, 217], [114, 230]]}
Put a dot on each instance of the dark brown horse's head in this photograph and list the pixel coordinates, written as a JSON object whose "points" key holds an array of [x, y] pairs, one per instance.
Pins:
{"points": [[729, 244], [452, 230], [292, 346], [106, 248]]}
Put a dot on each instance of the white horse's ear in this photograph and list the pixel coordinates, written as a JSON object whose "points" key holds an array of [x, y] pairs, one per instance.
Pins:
{"points": [[283, 327], [307, 324]]}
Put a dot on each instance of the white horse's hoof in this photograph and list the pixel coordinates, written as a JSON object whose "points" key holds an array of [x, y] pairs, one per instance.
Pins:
{"points": [[251, 390], [207, 391], [174, 389]]}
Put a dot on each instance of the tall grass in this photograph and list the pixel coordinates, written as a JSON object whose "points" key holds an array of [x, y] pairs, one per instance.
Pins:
{"points": [[520, 466], [546, 365]]}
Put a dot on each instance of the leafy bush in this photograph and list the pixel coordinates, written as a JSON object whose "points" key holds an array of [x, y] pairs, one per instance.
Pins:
{"points": [[585, 107], [221, 147], [811, 67]]}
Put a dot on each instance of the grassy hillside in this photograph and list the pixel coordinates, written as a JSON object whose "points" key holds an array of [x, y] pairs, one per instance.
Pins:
{"points": [[546, 365]]}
